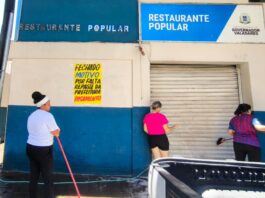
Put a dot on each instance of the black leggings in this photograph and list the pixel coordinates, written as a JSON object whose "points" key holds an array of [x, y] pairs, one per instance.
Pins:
{"points": [[243, 150], [41, 162]]}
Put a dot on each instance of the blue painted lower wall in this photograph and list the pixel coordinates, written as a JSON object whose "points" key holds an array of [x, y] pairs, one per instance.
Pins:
{"points": [[261, 117], [3, 112], [141, 154], [102, 141]]}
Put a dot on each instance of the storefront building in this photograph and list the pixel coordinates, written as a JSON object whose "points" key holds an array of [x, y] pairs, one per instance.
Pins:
{"points": [[102, 64]]}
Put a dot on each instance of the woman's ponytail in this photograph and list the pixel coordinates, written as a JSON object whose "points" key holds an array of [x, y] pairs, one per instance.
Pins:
{"points": [[242, 108]]}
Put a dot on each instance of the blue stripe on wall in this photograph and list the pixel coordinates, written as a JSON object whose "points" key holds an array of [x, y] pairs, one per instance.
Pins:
{"points": [[3, 112], [261, 117], [102, 141], [141, 152], [105, 16]]}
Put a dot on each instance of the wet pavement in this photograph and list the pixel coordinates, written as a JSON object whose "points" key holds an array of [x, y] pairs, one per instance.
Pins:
{"points": [[89, 186], [122, 189]]}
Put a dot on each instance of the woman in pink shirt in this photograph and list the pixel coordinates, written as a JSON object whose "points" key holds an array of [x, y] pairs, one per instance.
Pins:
{"points": [[156, 126]]}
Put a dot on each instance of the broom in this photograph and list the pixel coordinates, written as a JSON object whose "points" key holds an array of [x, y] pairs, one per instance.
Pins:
{"points": [[68, 166], [222, 140]]}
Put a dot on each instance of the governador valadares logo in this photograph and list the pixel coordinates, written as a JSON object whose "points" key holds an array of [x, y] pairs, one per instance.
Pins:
{"points": [[246, 28], [244, 18]]}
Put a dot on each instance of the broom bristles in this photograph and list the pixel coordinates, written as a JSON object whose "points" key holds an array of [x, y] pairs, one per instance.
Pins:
{"points": [[220, 141]]}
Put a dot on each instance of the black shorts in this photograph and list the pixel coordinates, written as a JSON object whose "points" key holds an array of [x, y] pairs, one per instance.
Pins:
{"points": [[160, 141]]}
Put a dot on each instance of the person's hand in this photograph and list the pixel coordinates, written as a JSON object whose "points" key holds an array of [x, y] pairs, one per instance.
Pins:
{"points": [[56, 133], [231, 132]]}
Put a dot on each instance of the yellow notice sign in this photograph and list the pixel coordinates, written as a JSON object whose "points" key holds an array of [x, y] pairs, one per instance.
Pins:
{"points": [[87, 83]]}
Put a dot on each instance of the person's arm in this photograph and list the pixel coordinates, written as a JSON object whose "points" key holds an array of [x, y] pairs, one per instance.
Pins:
{"points": [[53, 127], [260, 128], [167, 128], [145, 128], [231, 131], [56, 132]]}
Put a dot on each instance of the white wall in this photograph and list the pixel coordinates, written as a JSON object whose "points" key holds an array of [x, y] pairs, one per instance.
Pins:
{"points": [[49, 68], [55, 78], [6, 85], [249, 57], [131, 85]]}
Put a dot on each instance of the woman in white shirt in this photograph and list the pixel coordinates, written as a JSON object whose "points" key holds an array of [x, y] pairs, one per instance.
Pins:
{"points": [[42, 128]]}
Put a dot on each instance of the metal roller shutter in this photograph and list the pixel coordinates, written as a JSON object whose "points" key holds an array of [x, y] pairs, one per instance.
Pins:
{"points": [[201, 100]]}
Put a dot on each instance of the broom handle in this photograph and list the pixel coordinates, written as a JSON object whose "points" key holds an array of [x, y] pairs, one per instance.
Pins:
{"points": [[225, 139], [68, 166], [244, 135]]}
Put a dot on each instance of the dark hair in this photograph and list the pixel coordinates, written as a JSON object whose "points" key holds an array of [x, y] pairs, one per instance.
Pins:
{"points": [[37, 96], [242, 108], [156, 104]]}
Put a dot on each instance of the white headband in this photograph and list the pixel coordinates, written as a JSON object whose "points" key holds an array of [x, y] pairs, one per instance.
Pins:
{"points": [[42, 102]]}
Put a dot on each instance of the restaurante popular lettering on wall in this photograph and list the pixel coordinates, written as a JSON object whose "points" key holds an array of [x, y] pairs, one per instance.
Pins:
{"points": [[175, 22]]}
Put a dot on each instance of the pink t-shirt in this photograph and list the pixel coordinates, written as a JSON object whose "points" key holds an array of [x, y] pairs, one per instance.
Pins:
{"points": [[155, 122]]}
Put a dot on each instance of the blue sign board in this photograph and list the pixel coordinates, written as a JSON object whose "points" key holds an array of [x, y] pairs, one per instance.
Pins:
{"points": [[184, 22], [79, 21]]}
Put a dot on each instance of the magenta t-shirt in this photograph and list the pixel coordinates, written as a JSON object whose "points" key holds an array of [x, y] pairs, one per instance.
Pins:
{"points": [[155, 122]]}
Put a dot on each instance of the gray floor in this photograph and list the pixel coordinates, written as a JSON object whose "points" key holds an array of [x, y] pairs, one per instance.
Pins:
{"points": [[136, 188]]}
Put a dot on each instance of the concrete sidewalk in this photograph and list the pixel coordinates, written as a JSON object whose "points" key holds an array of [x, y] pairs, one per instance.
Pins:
{"points": [[100, 189]]}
